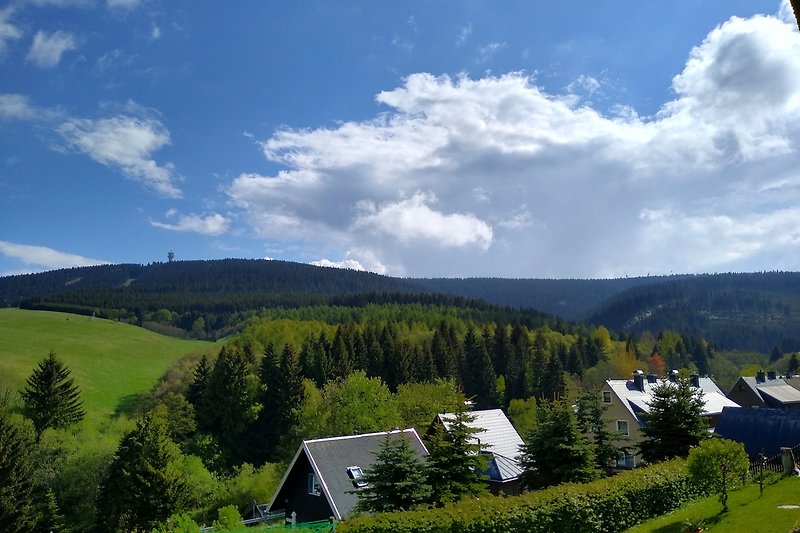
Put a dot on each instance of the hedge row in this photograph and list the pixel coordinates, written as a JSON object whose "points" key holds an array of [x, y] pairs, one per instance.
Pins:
{"points": [[604, 506]]}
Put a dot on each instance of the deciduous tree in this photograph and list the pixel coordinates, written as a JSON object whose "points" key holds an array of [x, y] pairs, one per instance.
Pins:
{"points": [[719, 465]]}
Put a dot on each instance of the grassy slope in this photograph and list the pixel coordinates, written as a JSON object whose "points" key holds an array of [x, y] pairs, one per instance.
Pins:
{"points": [[749, 512], [109, 360]]}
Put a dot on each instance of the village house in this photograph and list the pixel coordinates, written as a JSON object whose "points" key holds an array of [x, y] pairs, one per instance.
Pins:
{"points": [[766, 390], [322, 480], [760, 430], [500, 444], [628, 403]]}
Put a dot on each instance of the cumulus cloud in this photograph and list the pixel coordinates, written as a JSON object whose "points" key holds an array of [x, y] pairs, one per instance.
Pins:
{"points": [[125, 142], [212, 225], [462, 176], [47, 48], [45, 258]]}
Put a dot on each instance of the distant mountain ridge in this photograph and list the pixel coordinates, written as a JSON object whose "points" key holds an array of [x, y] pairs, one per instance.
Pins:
{"points": [[754, 311]]}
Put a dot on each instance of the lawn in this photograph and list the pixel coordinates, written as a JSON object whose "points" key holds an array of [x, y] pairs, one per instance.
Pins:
{"points": [[110, 361], [777, 511]]}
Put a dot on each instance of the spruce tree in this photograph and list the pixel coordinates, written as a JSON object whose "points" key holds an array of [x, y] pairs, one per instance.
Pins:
{"points": [[140, 489], [24, 506], [397, 479], [556, 452], [51, 398], [607, 445], [675, 422], [455, 463]]}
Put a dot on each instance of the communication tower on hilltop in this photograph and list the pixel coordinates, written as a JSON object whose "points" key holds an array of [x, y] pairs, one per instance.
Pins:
{"points": [[170, 256]]}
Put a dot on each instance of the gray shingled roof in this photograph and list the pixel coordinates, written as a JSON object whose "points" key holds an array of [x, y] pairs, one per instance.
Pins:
{"points": [[331, 457]]}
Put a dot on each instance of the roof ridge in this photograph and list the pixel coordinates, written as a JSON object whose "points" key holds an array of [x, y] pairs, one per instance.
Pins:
{"points": [[345, 437]]}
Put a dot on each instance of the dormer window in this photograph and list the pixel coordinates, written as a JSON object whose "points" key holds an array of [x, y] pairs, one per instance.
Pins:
{"points": [[357, 475]]}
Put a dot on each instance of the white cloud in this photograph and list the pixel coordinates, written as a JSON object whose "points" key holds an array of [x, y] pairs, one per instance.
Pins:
{"points": [[520, 182], [412, 219], [124, 5], [350, 264], [8, 31], [47, 49], [17, 107], [212, 225], [62, 3], [155, 32], [44, 257], [125, 142], [487, 52], [464, 34]]}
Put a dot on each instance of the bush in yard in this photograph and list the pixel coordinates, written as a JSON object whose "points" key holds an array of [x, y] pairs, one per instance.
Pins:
{"points": [[719, 465], [228, 518]]}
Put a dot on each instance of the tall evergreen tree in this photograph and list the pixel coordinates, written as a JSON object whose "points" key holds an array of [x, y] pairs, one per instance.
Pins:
{"points": [[140, 489], [480, 380], [675, 422], [455, 463], [51, 398], [396, 481], [607, 445], [555, 451], [24, 506], [553, 385]]}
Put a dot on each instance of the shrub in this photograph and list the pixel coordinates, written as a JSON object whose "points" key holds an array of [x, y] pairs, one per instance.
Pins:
{"points": [[611, 504], [228, 518], [718, 465]]}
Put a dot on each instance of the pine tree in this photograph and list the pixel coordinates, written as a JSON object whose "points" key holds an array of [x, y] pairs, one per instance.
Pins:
{"points": [[675, 421], [480, 380], [51, 398], [397, 479], [455, 463], [607, 445], [556, 452], [140, 489]]}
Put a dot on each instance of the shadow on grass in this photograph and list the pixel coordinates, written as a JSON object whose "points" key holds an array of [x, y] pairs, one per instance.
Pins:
{"points": [[680, 526], [129, 405]]}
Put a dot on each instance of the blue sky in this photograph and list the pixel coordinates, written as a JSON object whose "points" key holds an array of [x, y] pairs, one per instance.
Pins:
{"points": [[419, 138]]}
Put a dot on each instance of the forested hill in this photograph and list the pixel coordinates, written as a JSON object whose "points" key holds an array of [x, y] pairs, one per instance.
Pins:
{"points": [[570, 299], [219, 276], [754, 311]]}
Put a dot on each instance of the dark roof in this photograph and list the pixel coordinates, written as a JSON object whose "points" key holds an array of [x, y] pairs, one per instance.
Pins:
{"points": [[331, 457], [760, 429]]}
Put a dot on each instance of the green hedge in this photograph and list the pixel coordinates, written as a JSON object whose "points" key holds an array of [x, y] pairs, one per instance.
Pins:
{"points": [[603, 506]]}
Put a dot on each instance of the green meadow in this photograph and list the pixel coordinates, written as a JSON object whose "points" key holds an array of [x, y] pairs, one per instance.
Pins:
{"points": [[776, 511], [110, 361]]}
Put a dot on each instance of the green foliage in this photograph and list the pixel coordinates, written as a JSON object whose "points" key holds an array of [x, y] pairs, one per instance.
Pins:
{"points": [[454, 460], [674, 423], [249, 484], [51, 398], [178, 523], [141, 488], [24, 505], [719, 465], [606, 444], [396, 481], [227, 518], [419, 403], [523, 415], [359, 404], [611, 504], [555, 451]]}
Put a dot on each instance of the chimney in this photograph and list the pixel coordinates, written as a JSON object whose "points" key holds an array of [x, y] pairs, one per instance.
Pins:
{"points": [[651, 378], [770, 374], [638, 380], [760, 376], [673, 376], [695, 380]]}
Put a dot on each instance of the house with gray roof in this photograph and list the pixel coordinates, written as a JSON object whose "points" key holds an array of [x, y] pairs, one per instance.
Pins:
{"points": [[766, 390], [499, 442], [627, 405], [324, 476]]}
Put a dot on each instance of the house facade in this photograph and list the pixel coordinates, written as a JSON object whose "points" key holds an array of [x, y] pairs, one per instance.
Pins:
{"points": [[627, 404], [324, 476]]}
